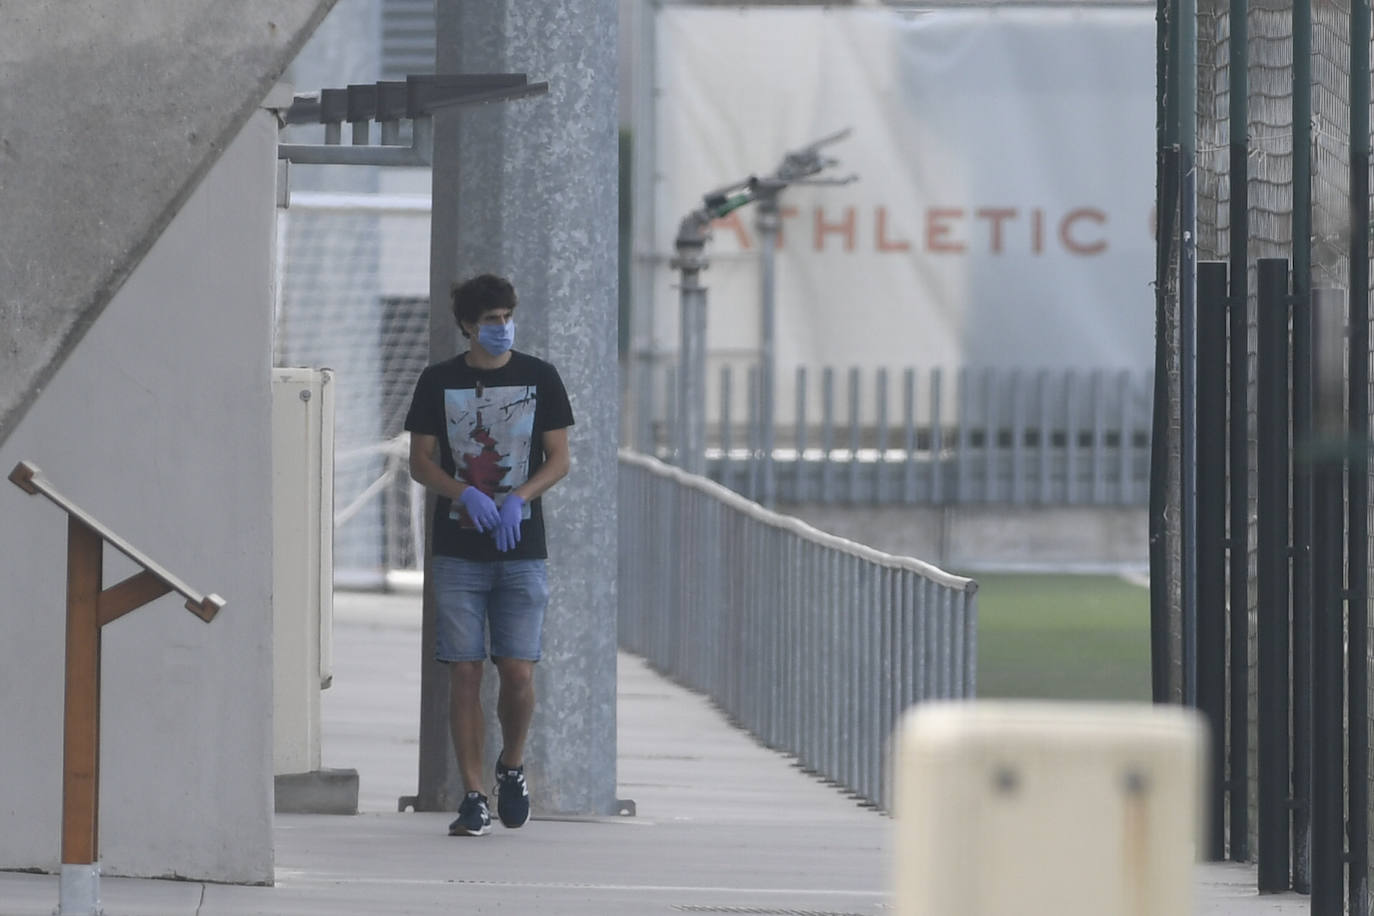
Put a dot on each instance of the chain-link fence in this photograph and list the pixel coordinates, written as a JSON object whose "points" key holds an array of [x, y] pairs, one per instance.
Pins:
{"points": [[1268, 132]]}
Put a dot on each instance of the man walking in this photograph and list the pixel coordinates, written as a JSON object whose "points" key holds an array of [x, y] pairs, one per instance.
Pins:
{"points": [[489, 435]]}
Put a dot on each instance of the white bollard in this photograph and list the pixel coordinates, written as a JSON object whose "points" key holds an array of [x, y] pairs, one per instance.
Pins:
{"points": [[78, 893], [1048, 809]]}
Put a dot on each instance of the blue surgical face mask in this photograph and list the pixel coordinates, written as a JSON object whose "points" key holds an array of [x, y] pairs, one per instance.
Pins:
{"points": [[496, 338]]}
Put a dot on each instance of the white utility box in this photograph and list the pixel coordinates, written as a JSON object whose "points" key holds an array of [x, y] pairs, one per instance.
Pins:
{"points": [[303, 565], [1048, 809]]}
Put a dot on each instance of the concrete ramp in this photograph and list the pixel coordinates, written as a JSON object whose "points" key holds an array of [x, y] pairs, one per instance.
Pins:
{"points": [[112, 112]]}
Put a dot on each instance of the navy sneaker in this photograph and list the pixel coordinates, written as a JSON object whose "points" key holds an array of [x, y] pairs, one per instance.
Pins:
{"points": [[473, 818], [512, 795]]}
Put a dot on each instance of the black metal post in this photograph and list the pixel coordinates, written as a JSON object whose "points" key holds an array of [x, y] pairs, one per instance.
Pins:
{"points": [[1159, 439], [1323, 453], [1358, 487], [1239, 456], [1186, 78], [1211, 537], [1271, 470], [1327, 867], [1303, 593], [1302, 597], [1302, 427]]}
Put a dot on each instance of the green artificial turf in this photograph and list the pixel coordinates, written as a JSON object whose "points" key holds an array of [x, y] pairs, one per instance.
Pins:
{"points": [[1063, 637]]}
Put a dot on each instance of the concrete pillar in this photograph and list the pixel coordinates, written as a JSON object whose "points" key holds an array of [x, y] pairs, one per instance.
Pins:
{"points": [[529, 189]]}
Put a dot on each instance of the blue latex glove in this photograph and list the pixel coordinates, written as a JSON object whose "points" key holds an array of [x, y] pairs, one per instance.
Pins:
{"points": [[508, 531], [480, 508]]}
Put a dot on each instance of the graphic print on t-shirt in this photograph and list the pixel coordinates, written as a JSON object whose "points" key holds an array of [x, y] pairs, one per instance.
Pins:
{"points": [[489, 433]]}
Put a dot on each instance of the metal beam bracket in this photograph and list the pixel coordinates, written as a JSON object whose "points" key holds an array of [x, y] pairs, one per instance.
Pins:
{"points": [[388, 103]]}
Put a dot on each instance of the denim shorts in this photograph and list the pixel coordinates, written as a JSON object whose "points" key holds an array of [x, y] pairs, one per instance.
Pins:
{"points": [[508, 595]]}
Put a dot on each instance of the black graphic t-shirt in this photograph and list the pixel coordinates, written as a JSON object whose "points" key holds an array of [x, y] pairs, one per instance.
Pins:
{"points": [[490, 424]]}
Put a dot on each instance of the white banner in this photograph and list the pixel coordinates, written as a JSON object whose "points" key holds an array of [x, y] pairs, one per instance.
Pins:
{"points": [[1002, 215]]}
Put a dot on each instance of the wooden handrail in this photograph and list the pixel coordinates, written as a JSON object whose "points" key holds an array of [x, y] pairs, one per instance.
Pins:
{"points": [[90, 606], [30, 479]]}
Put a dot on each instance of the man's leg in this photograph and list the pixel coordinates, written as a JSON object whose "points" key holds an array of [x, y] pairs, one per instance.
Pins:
{"points": [[517, 620], [516, 614], [461, 592], [515, 707], [466, 724]]}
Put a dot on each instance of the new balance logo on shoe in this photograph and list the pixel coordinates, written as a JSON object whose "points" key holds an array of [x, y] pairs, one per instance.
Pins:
{"points": [[473, 817], [512, 795]]}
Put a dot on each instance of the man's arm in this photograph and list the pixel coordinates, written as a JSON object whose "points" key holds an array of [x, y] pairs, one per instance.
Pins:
{"points": [[425, 470], [557, 463]]}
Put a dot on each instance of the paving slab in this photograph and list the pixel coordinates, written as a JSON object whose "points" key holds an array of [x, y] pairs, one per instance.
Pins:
{"points": [[724, 825]]}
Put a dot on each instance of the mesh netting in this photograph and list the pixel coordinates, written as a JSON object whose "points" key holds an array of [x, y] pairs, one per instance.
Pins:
{"points": [[354, 298], [1270, 192]]}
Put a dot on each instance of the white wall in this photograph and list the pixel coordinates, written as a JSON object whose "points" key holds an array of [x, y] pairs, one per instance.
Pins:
{"points": [[158, 425]]}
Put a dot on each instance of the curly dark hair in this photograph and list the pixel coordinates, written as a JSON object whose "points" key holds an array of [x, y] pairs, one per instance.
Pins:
{"points": [[479, 294]]}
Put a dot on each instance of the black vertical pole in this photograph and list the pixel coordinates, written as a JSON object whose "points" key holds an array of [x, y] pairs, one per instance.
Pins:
{"points": [[1327, 793], [1322, 452], [1160, 655], [1185, 77], [1328, 622], [1166, 197], [1239, 453], [1238, 423], [1302, 591], [1211, 536], [1358, 486], [1271, 471], [1302, 427]]}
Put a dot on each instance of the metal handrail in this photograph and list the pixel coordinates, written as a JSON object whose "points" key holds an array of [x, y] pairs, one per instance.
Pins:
{"points": [[814, 643], [30, 479], [795, 525]]}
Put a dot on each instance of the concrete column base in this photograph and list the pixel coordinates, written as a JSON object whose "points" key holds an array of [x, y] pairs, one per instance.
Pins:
{"points": [[323, 791], [79, 891]]}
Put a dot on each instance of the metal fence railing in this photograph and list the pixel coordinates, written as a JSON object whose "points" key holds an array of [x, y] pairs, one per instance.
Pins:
{"points": [[813, 643], [935, 437]]}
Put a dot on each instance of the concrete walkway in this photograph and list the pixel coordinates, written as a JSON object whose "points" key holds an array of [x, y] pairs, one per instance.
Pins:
{"points": [[723, 825]]}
